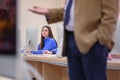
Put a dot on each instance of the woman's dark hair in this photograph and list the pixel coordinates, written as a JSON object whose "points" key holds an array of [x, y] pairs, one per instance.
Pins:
{"points": [[50, 35]]}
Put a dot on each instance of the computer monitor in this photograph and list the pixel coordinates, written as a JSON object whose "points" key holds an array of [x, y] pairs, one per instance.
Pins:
{"points": [[8, 38], [60, 32], [60, 38], [31, 38]]}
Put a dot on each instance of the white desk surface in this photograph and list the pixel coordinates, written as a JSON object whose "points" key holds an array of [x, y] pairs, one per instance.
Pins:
{"points": [[5, 78], [52, 59], [114, 63]]}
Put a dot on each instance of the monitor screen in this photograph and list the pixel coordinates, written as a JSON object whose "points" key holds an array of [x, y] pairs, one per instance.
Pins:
{"points": [[31, 38]]}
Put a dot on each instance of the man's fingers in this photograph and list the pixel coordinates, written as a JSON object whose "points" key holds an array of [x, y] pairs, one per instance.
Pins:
{"points": [[31, 10], [35, 6]]}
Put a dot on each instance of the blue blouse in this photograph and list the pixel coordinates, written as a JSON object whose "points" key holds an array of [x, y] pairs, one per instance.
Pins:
{"points": [[49, 44]]}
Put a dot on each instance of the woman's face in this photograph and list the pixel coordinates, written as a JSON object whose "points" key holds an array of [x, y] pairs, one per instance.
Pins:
{"points": [[45, 32]]}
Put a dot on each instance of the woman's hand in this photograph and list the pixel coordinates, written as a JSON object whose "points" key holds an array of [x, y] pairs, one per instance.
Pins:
{"points": [[27, 51], [47, 52]]}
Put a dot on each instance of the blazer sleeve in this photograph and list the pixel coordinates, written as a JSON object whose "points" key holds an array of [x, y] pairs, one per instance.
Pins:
{"points": [[55, 15], [110, 10]]}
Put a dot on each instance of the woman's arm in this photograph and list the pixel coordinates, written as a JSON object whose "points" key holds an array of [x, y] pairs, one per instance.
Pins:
{"points": [[55, 15], [36, 52], [49, 45]]}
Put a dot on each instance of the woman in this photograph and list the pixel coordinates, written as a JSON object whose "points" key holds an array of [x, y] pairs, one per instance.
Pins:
{"points": [[47, 41]]}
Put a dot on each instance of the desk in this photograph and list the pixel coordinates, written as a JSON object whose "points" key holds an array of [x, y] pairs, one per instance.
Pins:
{"points": [[49, 67], [53, 68], [5, 78], [113, 71]]}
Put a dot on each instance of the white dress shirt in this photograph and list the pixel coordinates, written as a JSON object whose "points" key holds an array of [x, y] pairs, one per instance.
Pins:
{"points": [[70, 25]]}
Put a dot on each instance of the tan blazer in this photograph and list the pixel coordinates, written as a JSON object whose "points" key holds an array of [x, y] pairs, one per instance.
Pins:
{"points": [[95, 20]]}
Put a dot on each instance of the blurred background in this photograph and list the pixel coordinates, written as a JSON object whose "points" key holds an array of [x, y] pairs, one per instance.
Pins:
{"points": [[7, 27]]}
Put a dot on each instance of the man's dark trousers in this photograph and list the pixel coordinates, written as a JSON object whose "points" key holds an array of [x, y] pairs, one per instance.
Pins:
{"points": [[91, 66]]}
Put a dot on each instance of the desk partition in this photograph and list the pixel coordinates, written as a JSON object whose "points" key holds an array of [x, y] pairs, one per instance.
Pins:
{"points": [[53, 68]]}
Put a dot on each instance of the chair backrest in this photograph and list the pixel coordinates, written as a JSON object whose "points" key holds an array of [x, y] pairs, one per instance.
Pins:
{"points": [[116, 48]]}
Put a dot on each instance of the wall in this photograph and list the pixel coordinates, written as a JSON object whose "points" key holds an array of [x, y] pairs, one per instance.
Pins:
{"points": [[27, 19]]}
